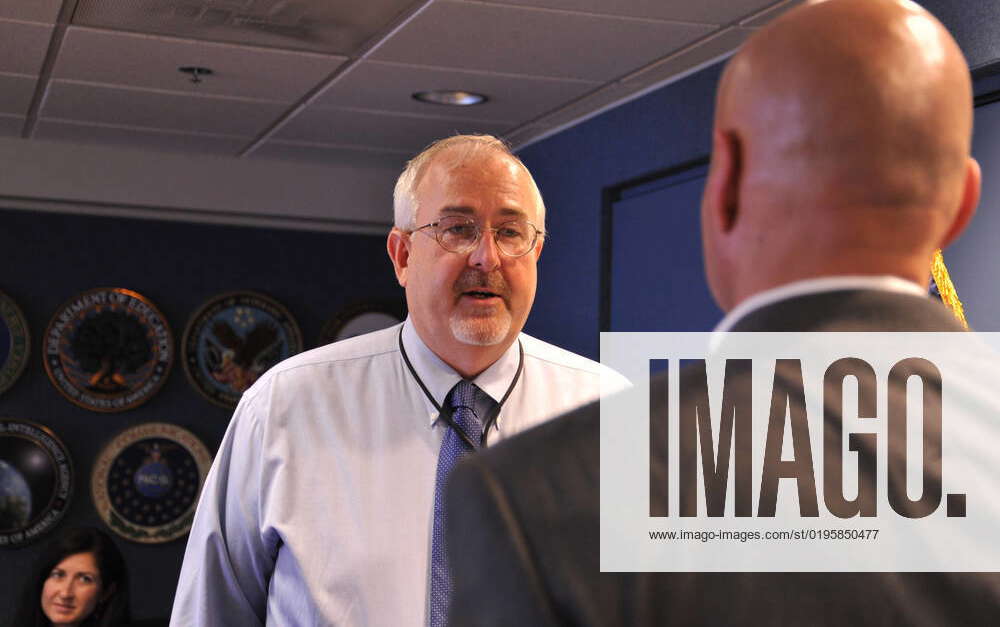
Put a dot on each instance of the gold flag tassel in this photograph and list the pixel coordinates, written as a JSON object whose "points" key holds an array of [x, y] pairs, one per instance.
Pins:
{"points": [[947, 289]]}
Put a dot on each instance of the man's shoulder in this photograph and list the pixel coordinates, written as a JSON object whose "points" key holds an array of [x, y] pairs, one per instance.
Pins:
{"points": [[362, 347], [853, 309], [359, 347], [550, 355]]}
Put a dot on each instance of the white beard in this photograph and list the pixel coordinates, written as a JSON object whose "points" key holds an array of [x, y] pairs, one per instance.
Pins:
{"points": [[481, 331]]}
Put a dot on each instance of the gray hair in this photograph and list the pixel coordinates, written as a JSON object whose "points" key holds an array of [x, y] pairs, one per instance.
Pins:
{"points": [[404, 197]]}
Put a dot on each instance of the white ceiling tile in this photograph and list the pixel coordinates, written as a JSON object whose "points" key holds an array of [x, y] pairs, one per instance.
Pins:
{"points": [[152, 62], [533, 42], [11, 125], [30, 10], [328, 154], [544, 64], [390, 86], [137, 138], [338, 27], [704, 11], [360, 128], [158, 110], [16, 92], [23, 46], [766, 16]]}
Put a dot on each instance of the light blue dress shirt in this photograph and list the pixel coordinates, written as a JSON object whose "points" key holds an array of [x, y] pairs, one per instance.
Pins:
{"points": [[318, 506]]}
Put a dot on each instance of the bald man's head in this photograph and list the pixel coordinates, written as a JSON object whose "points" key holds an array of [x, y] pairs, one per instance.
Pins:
{"points": [[842, 142]]}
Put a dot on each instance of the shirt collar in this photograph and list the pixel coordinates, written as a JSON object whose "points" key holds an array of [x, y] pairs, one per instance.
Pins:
{"points": [[439, 377], [813, 286]]}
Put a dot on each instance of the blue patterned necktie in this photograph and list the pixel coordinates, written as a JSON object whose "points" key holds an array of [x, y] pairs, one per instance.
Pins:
{"points": [[453, 448]]}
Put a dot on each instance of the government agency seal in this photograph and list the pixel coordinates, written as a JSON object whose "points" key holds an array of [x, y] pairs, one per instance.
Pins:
{"points": [[36, 482], [146, 481], [14, 342], [232, 340], [108, 349]]}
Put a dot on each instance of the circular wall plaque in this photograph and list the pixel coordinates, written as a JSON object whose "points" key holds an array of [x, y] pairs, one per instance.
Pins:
{"points": [[232, 340], [14, 342], [36, 481], [146, 481], [361, 318], [108, 349]]}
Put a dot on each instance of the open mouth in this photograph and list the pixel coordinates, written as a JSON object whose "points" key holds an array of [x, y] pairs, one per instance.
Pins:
{"points": [[480, 294]]}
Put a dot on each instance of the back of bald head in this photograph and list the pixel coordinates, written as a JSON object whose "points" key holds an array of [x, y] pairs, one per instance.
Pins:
{"points": [[843, 103]]}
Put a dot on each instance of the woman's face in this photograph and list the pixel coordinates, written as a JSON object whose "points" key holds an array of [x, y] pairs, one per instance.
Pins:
{"points": [[72, 590]]}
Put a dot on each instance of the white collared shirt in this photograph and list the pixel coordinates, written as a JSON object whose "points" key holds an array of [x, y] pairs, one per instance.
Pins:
{"points": [[318, 507], [816, 286]]}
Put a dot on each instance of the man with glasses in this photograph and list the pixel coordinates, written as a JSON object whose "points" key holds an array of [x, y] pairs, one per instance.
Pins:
{"points": [[325, 502]]}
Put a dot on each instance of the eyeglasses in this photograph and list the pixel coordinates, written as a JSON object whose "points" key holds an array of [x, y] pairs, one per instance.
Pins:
{"points": [[458, 234]]}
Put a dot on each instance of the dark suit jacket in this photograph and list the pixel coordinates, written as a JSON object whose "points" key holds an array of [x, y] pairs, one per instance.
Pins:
{"points": [[523, 530]]}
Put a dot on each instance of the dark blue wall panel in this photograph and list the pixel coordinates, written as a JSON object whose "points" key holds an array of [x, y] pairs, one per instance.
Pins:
{"points": [[657, 131], [664, 129], [973, 260], [657, 280], [47, 258]]}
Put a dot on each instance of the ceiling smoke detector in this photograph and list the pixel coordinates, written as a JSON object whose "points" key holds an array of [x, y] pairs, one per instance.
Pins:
{"points": [[451, 97], [195, 72]]}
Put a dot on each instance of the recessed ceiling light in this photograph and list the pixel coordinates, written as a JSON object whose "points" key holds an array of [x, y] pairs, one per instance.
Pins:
{"points": [[453, 97]]}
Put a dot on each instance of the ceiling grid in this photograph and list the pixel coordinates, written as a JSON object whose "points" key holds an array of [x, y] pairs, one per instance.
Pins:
{"points": [[319, 81]]}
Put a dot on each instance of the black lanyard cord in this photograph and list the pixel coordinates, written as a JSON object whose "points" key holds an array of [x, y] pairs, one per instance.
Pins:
{"points": [[446, 412]]}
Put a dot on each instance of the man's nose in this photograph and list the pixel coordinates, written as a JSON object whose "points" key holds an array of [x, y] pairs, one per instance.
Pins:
{"points": [[485, 256]]}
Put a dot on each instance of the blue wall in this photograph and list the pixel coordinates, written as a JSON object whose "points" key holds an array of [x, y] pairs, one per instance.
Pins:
{"points": [[669, 127], [45, 259], [974, 259], [660, 130]]}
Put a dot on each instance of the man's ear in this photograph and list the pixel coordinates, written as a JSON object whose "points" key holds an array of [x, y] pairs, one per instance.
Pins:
{"points": [[538, 248], [722, 189], [398, 246], [967, 206]]}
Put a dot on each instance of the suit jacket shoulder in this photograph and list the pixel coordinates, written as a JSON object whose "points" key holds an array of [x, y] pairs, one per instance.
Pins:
{"points": [[851, 310], [530, 506]]}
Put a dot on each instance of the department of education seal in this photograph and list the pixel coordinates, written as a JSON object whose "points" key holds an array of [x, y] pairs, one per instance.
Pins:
{"points": [[232, 340], [108, 349], [36, 481], [359, 318], [146, 481], [14, 342]]}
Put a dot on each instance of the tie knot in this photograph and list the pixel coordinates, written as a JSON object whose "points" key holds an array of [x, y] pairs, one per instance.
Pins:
{"points": [[466, 405], [464, 395]]}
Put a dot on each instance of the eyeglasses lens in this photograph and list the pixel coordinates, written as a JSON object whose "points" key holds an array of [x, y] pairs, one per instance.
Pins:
{"points": [[461, 235]]}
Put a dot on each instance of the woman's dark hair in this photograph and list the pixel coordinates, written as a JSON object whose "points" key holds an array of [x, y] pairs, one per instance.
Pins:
{"points": [[112, 611]]}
